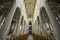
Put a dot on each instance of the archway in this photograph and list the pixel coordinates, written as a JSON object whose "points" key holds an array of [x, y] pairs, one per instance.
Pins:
{"points": [[46, 24], [30, 27], [5, 6], [14, 23]]}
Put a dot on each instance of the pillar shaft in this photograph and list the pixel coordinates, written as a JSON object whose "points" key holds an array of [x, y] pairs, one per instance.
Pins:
{"points": [[41, 25], [22, 29], [14, 33], [19, 25], [53, 20], [8, 23]]}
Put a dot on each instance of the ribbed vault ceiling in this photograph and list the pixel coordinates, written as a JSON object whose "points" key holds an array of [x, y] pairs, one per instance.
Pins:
{"points": [[30, 6], [5, 6]]}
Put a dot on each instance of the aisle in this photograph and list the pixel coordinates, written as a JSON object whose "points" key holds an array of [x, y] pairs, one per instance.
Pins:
{"points": [[30, 37]]}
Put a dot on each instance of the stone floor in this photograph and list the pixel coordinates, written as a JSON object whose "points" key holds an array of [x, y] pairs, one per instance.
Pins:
{"points": [[30, 37]]}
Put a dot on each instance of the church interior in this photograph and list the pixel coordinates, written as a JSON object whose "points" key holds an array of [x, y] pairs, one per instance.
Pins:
{"points": [[29, 19]]}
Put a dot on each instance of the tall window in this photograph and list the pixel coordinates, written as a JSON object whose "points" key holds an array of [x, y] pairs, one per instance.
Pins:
{"points": [[15, 21], [46, 22]]}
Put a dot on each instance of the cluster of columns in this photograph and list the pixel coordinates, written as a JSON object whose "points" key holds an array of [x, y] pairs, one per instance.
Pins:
{"points": [[56, 26], [39, 5], [8, 23], [53, 20], [17, 4]]}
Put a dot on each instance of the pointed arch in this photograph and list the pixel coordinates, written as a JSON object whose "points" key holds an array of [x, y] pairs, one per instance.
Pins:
{"points": [[15, 21], [46, 24]]}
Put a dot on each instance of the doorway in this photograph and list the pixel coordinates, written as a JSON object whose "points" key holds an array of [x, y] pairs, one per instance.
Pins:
{"points": [[30, 28]]}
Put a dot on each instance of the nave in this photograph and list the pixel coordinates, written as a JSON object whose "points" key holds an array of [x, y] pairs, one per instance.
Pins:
{"points": [[29, 19], [30, 37]]}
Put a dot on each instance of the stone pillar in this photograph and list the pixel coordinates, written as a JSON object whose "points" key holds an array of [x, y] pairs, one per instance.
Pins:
{"points": [[23, 27], [53, 20], [8, 23], [18, 26], [41, 25], [38, 29], [35, 27], [14, 33]]}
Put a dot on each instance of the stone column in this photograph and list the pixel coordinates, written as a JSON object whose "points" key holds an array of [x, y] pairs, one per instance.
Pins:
{"points": [[35, 27], [18, 26], [8, 23], [14, 33], [41, 25], [23, 27], [53, 20]]}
